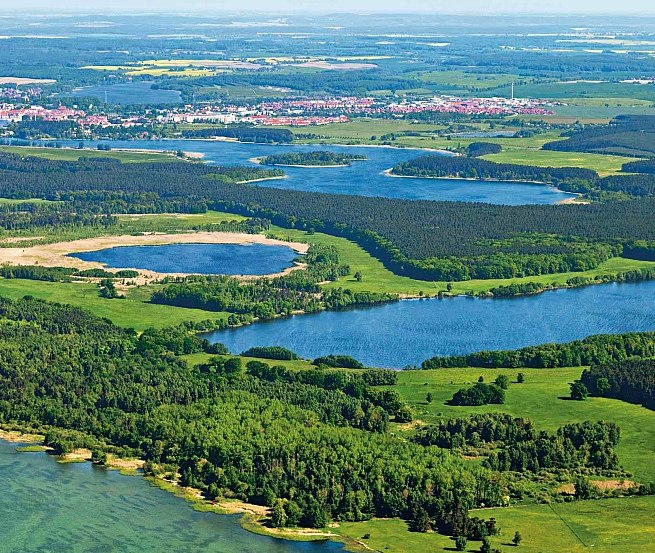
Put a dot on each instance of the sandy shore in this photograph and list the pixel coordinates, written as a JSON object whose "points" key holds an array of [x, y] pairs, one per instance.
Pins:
{"points": [[56, 255], [574, 200], [262, 180]]}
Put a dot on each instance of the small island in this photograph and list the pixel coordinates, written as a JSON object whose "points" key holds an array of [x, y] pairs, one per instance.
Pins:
{"points": [[311, 159]]}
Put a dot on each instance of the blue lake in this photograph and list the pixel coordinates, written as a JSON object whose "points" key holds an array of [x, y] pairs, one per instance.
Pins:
{"points": [[219, 259], [408, 332], [363, 178], [140, 92], [48, 506]]}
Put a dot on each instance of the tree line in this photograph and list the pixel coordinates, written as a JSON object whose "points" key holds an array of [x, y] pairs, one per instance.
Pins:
{"points": [[594, 350], [631, 380]]}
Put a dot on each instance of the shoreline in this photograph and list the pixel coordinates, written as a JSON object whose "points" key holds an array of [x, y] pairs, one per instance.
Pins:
{"points": [[194, 156], [258, 161], [576, 195], [264, 179], [58, 254], [300, 143], [252, 517]]}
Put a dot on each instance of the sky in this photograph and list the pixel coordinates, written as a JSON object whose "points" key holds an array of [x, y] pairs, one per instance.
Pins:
{"points": [[350, 6]]}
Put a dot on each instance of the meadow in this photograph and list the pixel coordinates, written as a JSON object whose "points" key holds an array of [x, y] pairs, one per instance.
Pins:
{"points": [[70, 154], [134, 311], [622, 525]]}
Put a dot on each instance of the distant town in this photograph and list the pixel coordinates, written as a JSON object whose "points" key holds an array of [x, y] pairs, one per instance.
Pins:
{"points": [[282, 113]]}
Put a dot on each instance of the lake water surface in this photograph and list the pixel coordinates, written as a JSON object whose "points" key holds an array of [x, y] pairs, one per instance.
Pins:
{"points": [[219, 259], [408, 332], [363, 178], [140, 92], [76, 507]]}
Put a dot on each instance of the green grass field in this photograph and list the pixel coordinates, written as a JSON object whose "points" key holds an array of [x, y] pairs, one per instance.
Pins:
{"points": [[132, 312], [199, 358], [11, 201], [624, 525], [70, 154], [538, 398], [603, 164]]}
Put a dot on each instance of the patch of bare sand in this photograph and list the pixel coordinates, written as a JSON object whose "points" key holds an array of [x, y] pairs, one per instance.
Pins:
{"points": [[123, 464], [18, 437], [19, 239], [602, 485], [56, 255], [76, 456]]}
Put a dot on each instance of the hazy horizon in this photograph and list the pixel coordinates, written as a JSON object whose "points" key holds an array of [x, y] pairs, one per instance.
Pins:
{"points": [[467, 7]]}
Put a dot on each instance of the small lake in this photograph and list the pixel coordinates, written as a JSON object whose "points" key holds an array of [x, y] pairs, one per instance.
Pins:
{"points": [[208, 259], [77, 507], [362, 178], [408, 332], [134, 93]]}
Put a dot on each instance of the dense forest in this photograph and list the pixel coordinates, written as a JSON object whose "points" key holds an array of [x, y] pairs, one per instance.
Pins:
{"points": [[627, 135], [299, 447], [594, 350], [421, 239], [479, 149], [259, 135], [312, 159], [473, 168], [631, 380], [516, 444]]}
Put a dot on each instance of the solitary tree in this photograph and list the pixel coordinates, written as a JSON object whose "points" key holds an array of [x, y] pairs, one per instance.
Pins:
{"points": [[358, 276], [516, 540], [502, 381], [579, 391], [486, 545], [460, 543], [520, 378], [428, 398]]}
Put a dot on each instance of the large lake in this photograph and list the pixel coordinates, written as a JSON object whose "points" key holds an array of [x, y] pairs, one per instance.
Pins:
{"points": [[408, 332], [364, 178], [48, 506], [208, 259]]}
